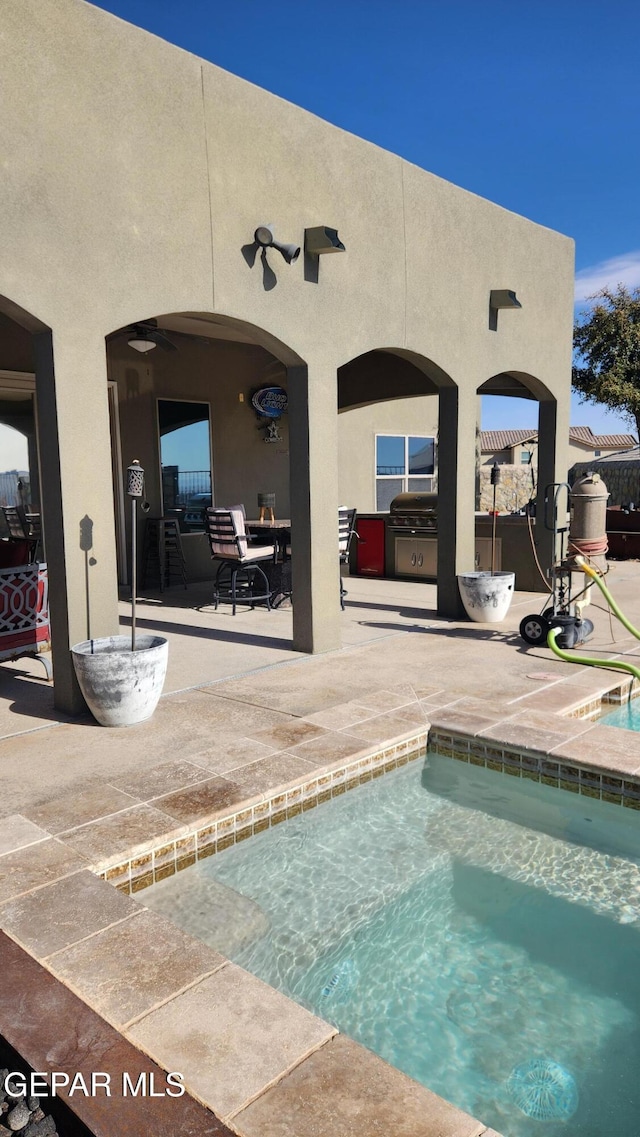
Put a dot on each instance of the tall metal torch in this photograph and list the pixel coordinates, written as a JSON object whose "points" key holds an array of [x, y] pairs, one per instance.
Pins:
{"points": [[495, 482], [135, 490]]}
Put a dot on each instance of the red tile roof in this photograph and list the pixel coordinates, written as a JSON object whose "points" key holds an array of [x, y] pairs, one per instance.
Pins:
{"points": [[613, 441], [582, 434], [495, 440], [505, 439]]}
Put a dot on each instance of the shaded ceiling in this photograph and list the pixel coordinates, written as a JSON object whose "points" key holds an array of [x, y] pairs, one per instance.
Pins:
{"points": [[16, 350], [378, 376]]}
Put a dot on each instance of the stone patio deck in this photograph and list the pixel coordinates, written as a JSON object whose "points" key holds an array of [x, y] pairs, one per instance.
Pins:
{"points": [[247, 734]]}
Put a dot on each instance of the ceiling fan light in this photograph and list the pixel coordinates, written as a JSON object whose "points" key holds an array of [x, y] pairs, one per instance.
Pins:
{"points": [[141, 344]]}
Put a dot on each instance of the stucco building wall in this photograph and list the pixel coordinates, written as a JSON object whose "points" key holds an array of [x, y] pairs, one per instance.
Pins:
{"points": [[137, 176]]}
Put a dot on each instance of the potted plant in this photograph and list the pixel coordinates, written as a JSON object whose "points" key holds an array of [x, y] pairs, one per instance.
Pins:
{"points": [[486, 596], [121, 677]]}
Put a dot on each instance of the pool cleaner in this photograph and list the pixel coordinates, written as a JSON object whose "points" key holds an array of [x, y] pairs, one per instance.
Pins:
{"points": [[588, 660], [591, 572], [583, 537]]}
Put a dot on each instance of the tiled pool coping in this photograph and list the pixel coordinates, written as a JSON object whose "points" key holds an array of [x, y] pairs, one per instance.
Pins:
{"points": [[183, 850], [148, 998]]}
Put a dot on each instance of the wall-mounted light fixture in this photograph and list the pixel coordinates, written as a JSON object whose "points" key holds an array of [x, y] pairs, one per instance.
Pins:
{"points": [[504, 298], [264, 237], [500, 298], [140, 343], [321, 239], [318, 240]]}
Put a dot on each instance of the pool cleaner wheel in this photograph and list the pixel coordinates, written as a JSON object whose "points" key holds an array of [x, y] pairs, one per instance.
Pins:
{"points": [[534, 630], [544, 1090]]}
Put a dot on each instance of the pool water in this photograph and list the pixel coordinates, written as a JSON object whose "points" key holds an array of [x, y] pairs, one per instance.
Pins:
{"points": [[478, 931], [627, 715]]}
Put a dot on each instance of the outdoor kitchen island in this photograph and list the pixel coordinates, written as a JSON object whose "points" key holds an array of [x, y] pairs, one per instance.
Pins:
{"points": [[403, 543]]}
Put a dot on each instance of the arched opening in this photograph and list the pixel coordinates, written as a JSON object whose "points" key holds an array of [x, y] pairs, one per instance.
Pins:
{"points": [[25, 620], [523, 442], [19, 466], [398, 434], [388, 426], [181, 402]]}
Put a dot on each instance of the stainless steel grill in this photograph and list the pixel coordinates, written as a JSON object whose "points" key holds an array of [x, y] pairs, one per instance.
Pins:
{"points": [[415, 511], [413, 530]]}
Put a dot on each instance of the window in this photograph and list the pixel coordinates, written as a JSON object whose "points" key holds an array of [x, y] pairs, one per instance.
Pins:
{"points": [[597, 453], [525, 457], [404, 463], [185, 460]]}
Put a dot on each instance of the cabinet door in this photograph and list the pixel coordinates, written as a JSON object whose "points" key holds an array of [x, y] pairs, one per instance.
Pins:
{"points": [[406, 556], [427, 560], [370, 547]]}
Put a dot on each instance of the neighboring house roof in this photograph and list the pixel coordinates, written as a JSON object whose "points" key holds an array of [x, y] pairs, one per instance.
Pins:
{"points": [[505, 439], [494, 440], [582, 434], [613, 441], [620, 459]]}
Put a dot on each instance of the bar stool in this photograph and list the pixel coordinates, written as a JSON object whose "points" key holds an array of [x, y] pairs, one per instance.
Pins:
{"points": [[162, 556]]}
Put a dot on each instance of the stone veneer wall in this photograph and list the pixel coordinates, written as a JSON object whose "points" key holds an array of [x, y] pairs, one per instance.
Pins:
{"points": [[516, 488], [622, 479]]}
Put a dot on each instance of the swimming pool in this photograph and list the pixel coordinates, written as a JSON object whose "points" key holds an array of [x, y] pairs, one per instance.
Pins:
{"points": [[480, 932], [627, 715]]}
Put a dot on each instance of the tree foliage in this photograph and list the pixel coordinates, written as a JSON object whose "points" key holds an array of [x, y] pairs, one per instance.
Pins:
{"points": [[606, 343]]}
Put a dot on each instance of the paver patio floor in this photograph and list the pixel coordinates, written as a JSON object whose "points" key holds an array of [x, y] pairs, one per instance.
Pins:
{"points": [[232, 682], [243, 720]]}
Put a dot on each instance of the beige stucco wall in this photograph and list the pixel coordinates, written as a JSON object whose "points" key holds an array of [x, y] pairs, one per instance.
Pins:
{"points": [[357, 429], [147, 170], [136, 173]]}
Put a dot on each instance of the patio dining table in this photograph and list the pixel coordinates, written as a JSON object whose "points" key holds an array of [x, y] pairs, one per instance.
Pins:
{"points": [[279, 571]]}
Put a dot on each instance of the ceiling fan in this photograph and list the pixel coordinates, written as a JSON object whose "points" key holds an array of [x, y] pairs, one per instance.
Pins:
{"points": [[144, 336]]}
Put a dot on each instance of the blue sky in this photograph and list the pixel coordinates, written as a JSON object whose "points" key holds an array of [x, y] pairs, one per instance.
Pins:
{"points": [[534, 104]]}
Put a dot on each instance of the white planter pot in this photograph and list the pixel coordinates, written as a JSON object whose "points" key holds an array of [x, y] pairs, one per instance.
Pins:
{"points": [[486, 597], [121, 687]]}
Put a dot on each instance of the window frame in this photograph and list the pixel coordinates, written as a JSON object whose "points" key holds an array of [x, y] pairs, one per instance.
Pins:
{"points": [[405, 477]]}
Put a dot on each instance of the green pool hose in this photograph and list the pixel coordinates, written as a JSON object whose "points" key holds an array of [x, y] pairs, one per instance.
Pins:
{"points": [[595, 576], [587, 660]]}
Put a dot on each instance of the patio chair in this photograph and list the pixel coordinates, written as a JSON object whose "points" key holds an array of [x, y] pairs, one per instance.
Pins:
{"points": [[24, 527], [240, 562], [346, 533]]}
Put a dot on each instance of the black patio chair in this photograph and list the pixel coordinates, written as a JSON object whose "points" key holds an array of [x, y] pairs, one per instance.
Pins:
{"points": [[240, 576]]}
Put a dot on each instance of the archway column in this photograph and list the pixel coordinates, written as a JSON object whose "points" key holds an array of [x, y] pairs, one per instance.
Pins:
{"points": [[313, 447], [77, 488], [457, 410], [553, 435]]}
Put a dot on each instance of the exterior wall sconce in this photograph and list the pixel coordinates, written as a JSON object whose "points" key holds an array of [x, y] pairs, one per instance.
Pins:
{"points": [[321, 239], [500, 298], [264, 237], [317, 241]]}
